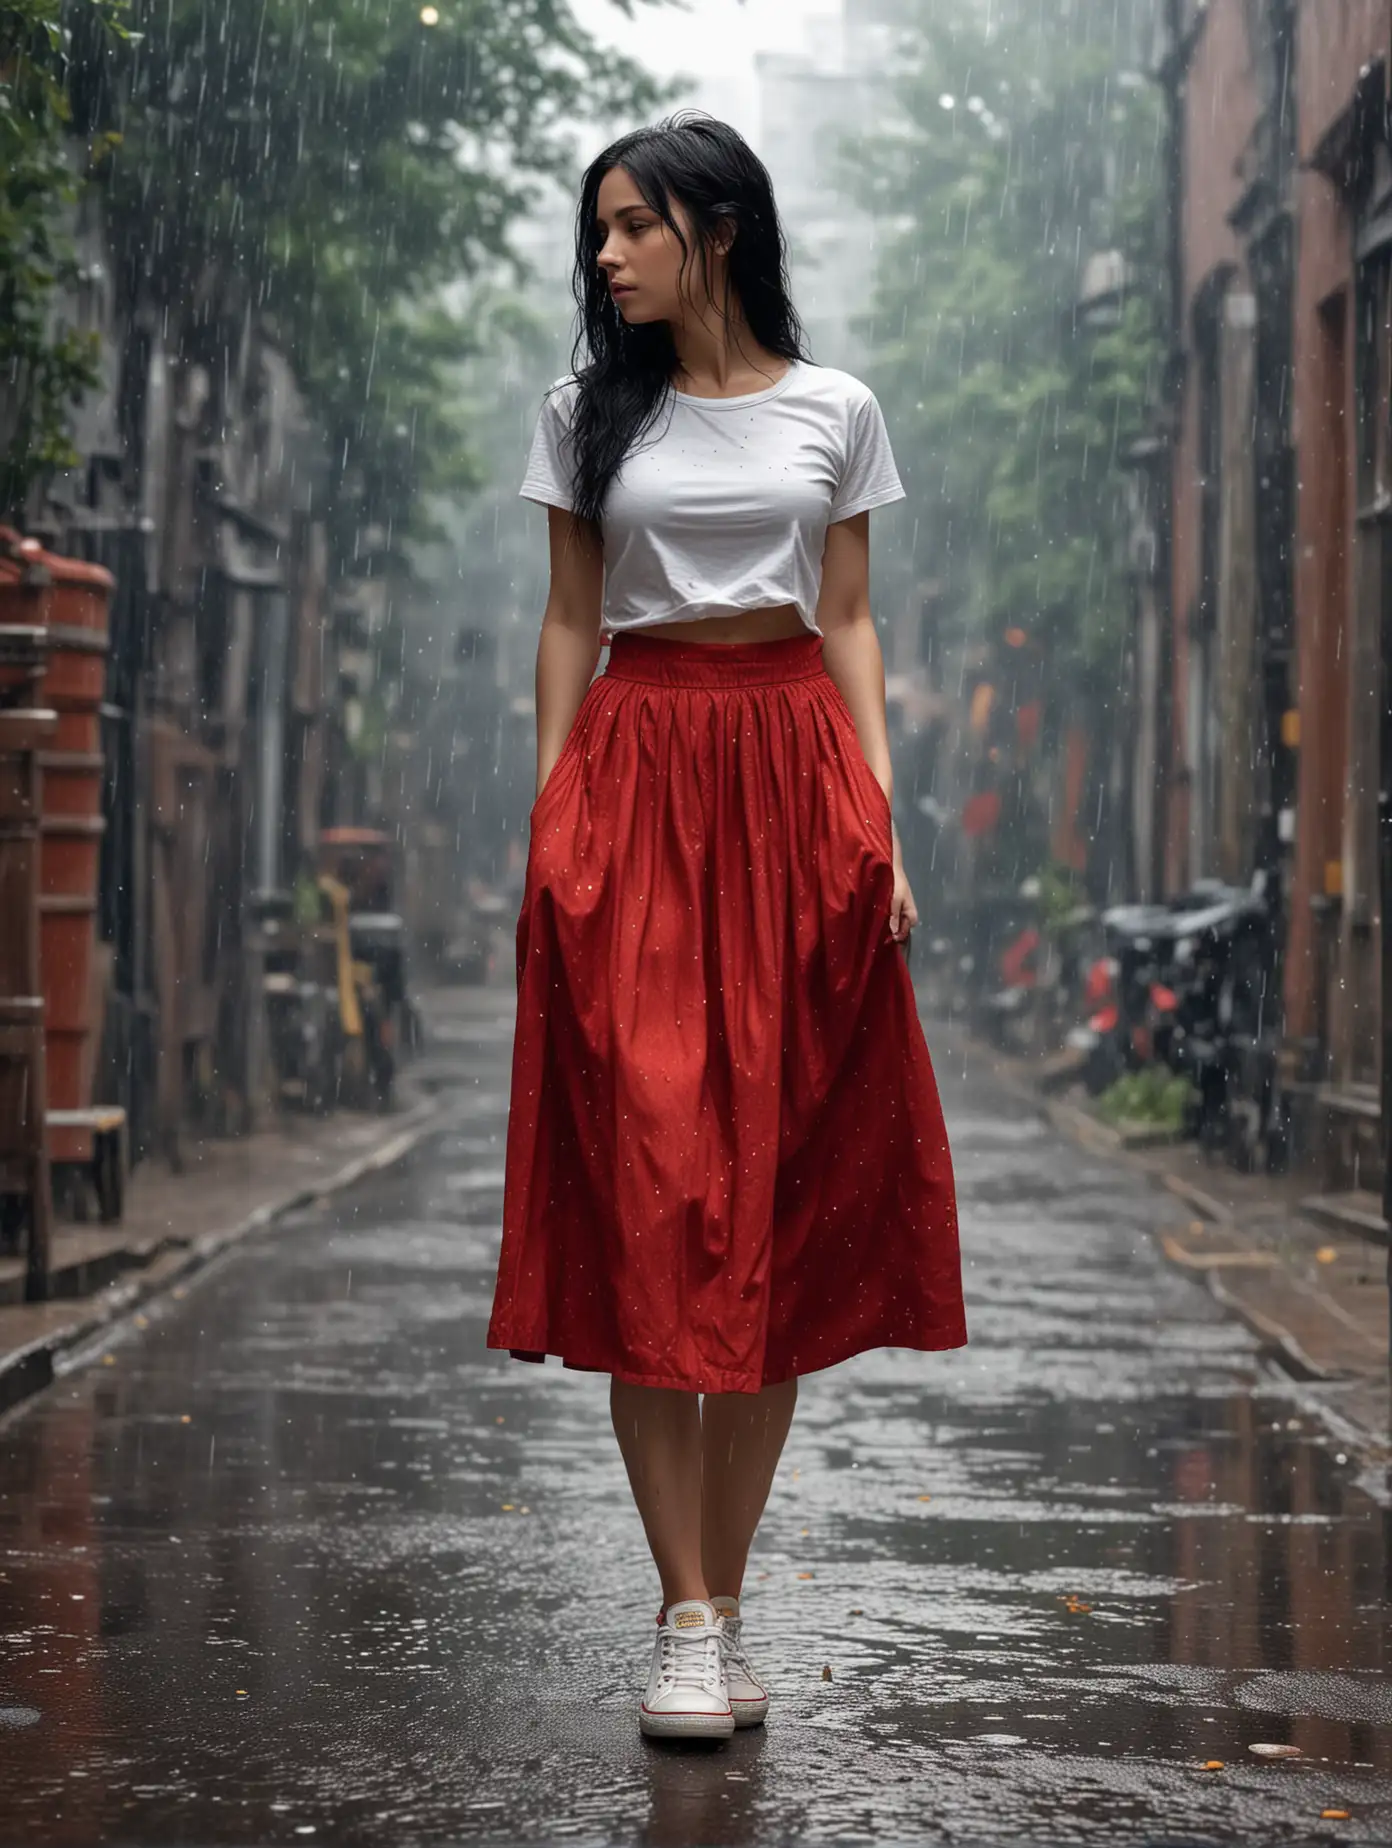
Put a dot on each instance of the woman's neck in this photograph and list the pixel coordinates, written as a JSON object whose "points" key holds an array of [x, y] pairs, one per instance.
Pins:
{"points": [[722, 360]]}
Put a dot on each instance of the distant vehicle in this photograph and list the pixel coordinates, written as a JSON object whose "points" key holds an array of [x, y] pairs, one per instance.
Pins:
{"points": [[358, 877], [300, 1009], [1190, 984]]}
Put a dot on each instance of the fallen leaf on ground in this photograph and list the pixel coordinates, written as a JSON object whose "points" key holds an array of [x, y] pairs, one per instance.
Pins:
{"points": [[804, 1575], [1326, 1254], [507, 1507], [184, 1418], [1276, 1751], [826, 1672], [1213, 1764], [1334, 1815], [857, 1612], [925, 1498]]}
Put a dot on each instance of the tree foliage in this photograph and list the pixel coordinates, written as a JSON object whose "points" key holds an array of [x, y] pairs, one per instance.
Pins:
{"points": [[333, 166], [1027, 147], [45, 362]]}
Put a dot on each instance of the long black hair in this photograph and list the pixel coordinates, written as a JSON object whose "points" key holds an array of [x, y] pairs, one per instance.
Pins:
{"points": [[624, 372]]}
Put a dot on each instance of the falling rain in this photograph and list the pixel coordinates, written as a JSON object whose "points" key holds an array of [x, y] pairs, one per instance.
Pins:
{"points": [[287, 1550]]}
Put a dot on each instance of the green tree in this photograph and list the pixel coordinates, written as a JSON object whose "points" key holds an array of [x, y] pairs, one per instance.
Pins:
{"points": [[45, 363], [1027, 147], [338, 167]]}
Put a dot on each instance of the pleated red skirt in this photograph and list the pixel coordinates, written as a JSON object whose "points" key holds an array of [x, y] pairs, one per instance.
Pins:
{"points": [[726, 1161]]}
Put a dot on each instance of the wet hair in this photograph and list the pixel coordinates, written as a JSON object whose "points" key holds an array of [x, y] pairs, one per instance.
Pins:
{"points": [[625, 373]]}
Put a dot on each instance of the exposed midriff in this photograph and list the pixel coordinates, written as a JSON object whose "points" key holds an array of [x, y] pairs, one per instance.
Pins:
{"points": [[769, 625]]}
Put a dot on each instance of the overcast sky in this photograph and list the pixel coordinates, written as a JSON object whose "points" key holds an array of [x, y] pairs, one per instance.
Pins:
{"points": [[710, 39]]}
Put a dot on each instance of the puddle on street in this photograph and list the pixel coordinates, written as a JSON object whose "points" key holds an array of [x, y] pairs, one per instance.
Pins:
{"points": [[303, 1557]]}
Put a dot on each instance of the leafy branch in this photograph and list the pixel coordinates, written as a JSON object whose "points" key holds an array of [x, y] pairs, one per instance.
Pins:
{"points": [[340, 167], [45, 363], [1027, 149]]}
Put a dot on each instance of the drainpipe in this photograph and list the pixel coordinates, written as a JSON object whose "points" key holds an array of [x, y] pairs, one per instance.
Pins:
{"points": [[1172, 75], [269, 826], [271, 741]]}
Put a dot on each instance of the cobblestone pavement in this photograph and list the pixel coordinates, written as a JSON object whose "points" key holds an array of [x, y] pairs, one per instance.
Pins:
{"points": [[300, 1558]]}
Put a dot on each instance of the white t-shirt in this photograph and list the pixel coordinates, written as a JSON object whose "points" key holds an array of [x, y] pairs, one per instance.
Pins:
{"points": [[724, 505]]}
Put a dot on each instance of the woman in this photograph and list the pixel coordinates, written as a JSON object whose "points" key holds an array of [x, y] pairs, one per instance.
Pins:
{"points": [[726, 1162]]}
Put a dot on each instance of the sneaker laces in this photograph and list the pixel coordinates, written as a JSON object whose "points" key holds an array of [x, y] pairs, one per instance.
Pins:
{"points": [[690, 1658], [730, 1632]]}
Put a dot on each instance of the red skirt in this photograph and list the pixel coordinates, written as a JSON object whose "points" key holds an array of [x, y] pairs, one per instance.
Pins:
{"points": [[726, 1161]]}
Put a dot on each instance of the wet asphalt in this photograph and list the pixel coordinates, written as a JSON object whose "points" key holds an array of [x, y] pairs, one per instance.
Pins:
{"points": [[300, 1559]]}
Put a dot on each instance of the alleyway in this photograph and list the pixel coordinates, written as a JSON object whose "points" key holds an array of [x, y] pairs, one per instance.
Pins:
{"points": [[300, 1558]]}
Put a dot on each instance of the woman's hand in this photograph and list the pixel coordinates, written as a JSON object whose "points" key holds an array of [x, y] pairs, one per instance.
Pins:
{"points": [[903, 912], [851, 655]]}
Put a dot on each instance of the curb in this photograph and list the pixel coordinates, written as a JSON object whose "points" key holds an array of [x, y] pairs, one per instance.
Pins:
{"points": [[1276, 1343], [27, 1370]]}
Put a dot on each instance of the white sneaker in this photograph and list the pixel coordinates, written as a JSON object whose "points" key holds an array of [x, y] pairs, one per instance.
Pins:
{"points": [[749, 1699], [687, 1696]]}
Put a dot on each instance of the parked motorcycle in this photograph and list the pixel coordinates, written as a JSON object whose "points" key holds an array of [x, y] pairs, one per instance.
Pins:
{"points": [[1129, 1003], [375, 1016], [1017, 971], [299, 1009], [1228, 1036], [1191, 984], [998, 955]]}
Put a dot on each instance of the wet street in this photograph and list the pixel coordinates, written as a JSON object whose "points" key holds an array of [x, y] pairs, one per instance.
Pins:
{"points": [[300, 1558]]}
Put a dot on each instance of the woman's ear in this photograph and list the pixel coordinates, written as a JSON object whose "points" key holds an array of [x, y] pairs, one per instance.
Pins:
{"points": [[725, 229]]}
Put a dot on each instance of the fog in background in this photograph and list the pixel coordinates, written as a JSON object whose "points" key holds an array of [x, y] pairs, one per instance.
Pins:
{"points": [[288, 285], [793, 78], [954, 180], [282, 284]]}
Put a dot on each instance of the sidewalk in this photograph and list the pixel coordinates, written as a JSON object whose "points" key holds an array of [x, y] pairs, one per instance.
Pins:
{"points": [[1315, 1295], [176, 1223]]}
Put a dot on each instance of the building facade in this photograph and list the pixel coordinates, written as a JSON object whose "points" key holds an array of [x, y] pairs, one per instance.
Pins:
{"points": [[1280, 496]]}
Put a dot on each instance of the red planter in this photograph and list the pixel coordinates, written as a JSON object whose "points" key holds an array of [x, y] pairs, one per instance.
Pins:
{"points": [[70, 856], [72, 781], [71, 600], [70, 839], [23, 604]]}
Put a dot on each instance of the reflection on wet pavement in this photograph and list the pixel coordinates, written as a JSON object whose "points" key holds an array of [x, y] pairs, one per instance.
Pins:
{"points": [[301, 1558]]}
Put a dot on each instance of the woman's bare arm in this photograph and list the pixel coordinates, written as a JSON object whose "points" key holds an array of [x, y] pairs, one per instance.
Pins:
{"points": [[568, 647], [851, 655], [851, 647]]}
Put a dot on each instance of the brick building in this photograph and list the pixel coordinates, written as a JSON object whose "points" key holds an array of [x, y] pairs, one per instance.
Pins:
{"points": [[1280, 667], [1335, 991]]}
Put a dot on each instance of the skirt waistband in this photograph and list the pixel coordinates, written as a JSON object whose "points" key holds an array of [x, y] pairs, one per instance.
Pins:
{"points": [[634, 655]]}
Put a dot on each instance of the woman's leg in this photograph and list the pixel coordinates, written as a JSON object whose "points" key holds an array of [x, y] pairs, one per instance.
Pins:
{"points": [[659, 1433], [742, 1438]]}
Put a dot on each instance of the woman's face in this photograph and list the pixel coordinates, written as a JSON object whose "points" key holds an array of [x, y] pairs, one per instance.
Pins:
{"points": [[640, 256]]}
